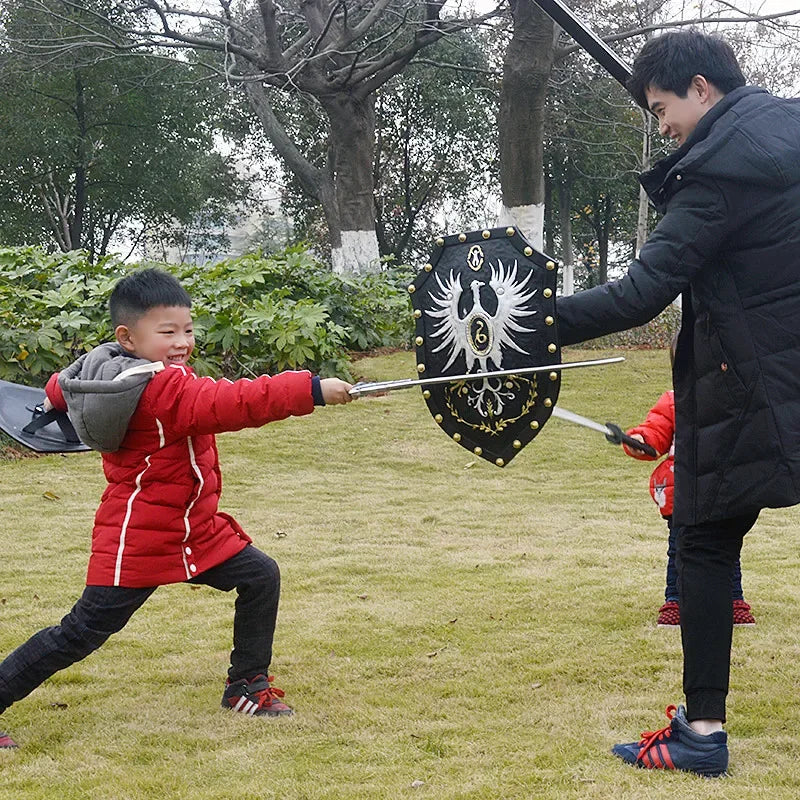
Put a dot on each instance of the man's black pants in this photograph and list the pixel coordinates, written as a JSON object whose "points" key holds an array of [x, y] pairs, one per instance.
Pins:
{"points": [[104, 610], [706, 554]]}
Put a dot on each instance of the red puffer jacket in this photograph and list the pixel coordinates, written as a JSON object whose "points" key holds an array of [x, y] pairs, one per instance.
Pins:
{"points": [[158, 520], [658, 430]]}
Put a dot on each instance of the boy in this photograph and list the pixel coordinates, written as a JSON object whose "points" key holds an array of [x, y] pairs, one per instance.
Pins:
{"points": [[139, 403]]}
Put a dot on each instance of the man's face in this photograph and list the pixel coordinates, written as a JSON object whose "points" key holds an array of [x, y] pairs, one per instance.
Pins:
{"points": [[678, 116], [164, 333]]}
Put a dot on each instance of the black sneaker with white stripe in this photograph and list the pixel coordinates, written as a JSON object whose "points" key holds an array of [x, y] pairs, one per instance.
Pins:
{"points": [[256, 697]]}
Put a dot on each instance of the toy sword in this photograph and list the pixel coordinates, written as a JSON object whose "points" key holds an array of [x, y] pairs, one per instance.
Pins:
{"points": [[362, 388], [563, 16], [611, 431]]}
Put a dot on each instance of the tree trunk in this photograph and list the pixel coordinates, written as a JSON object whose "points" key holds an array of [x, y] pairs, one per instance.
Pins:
{"points": [[644, 202], [82, 155], [354, 243], [526, 70], [345, 188], [603, 213], [549, 220], [55, 211], [565, 225]]}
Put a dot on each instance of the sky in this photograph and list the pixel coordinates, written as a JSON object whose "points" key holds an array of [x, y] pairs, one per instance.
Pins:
{"points": [[763, 7]]}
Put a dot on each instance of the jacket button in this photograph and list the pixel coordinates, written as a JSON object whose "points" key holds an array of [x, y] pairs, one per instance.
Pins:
{"points": [[192, 568], [188, 551], [723, 366], [678, 177]]}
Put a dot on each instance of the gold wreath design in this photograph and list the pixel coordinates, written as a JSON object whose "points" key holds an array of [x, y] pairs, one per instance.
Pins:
{"points": [[502, 423]]}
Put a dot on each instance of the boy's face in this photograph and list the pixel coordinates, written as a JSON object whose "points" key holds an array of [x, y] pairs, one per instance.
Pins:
{"points": [[164, 333], [678, 116]]}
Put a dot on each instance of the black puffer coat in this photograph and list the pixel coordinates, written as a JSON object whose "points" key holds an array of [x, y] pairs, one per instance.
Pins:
{"points": [[730, 243]]}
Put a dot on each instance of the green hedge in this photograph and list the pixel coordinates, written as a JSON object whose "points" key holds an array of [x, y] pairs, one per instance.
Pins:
{"points": [[252, 314]]}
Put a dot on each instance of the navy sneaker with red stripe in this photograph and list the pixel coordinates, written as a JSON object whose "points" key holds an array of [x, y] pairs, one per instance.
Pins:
{"points": [[256, 697], [678, 747], [6, 741]]}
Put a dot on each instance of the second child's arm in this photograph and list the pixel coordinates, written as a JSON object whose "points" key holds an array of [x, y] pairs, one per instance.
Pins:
{"points": [[657, 430]]}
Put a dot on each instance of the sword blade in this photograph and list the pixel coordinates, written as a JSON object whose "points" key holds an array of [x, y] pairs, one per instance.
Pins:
{"points": [[579, 420], [361, 389], [587, 39], [612, 432]]}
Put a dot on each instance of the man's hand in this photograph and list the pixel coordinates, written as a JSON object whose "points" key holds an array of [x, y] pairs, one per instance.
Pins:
{"points": [[335, 392]]}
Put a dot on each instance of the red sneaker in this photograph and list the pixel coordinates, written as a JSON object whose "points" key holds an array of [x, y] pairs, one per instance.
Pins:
{"points": [[668, 615], [256, 697], [6, 741], [742, 614]]}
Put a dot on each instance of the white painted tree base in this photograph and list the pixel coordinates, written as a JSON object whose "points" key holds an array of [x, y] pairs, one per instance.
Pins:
{"points": [[567, 280], [358, 253], [529, 220]]}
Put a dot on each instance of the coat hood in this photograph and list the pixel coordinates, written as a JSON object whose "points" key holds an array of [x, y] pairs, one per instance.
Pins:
{"points": [[749, 136], [101, 390]]}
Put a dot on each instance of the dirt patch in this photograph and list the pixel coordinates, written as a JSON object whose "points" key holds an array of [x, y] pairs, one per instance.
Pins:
{"points": [[11, 451]]}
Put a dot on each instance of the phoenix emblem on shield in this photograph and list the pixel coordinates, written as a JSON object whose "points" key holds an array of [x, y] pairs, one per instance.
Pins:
{"points": [[481, 335]]}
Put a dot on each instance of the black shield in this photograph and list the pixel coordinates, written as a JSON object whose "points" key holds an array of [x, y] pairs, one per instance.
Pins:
{"points": [[486, 302], [23, 419]]}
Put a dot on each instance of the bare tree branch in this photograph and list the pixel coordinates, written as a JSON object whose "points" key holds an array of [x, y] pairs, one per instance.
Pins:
{"points": [[683, 23]]}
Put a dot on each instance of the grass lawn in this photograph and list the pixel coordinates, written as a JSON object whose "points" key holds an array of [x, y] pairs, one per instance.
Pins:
{"points": [[448, 629]]}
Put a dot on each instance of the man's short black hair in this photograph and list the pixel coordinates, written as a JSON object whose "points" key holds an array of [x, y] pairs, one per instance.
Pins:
{"points": [[670, 61], [143, 290]]}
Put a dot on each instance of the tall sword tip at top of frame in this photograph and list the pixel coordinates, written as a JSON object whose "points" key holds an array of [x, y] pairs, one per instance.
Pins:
{"points": [[563, 16]]}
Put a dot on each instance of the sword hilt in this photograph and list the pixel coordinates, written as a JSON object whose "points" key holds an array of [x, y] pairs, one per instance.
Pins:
{"points": [[616, 436]]}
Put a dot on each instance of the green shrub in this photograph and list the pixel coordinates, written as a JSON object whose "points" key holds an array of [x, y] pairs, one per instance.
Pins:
{"points": [[287, 309], [52, 309], [253, 314]]}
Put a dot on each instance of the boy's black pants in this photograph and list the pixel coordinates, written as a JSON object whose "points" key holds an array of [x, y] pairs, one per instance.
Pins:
{"points": [[103, 610], [706, 554]]}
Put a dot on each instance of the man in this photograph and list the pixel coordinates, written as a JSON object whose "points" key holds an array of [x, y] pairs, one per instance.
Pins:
{"points": [[729, 243]]}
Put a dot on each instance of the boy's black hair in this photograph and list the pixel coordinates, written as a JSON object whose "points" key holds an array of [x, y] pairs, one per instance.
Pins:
{"points": [[670, 61], [137, 293]]}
